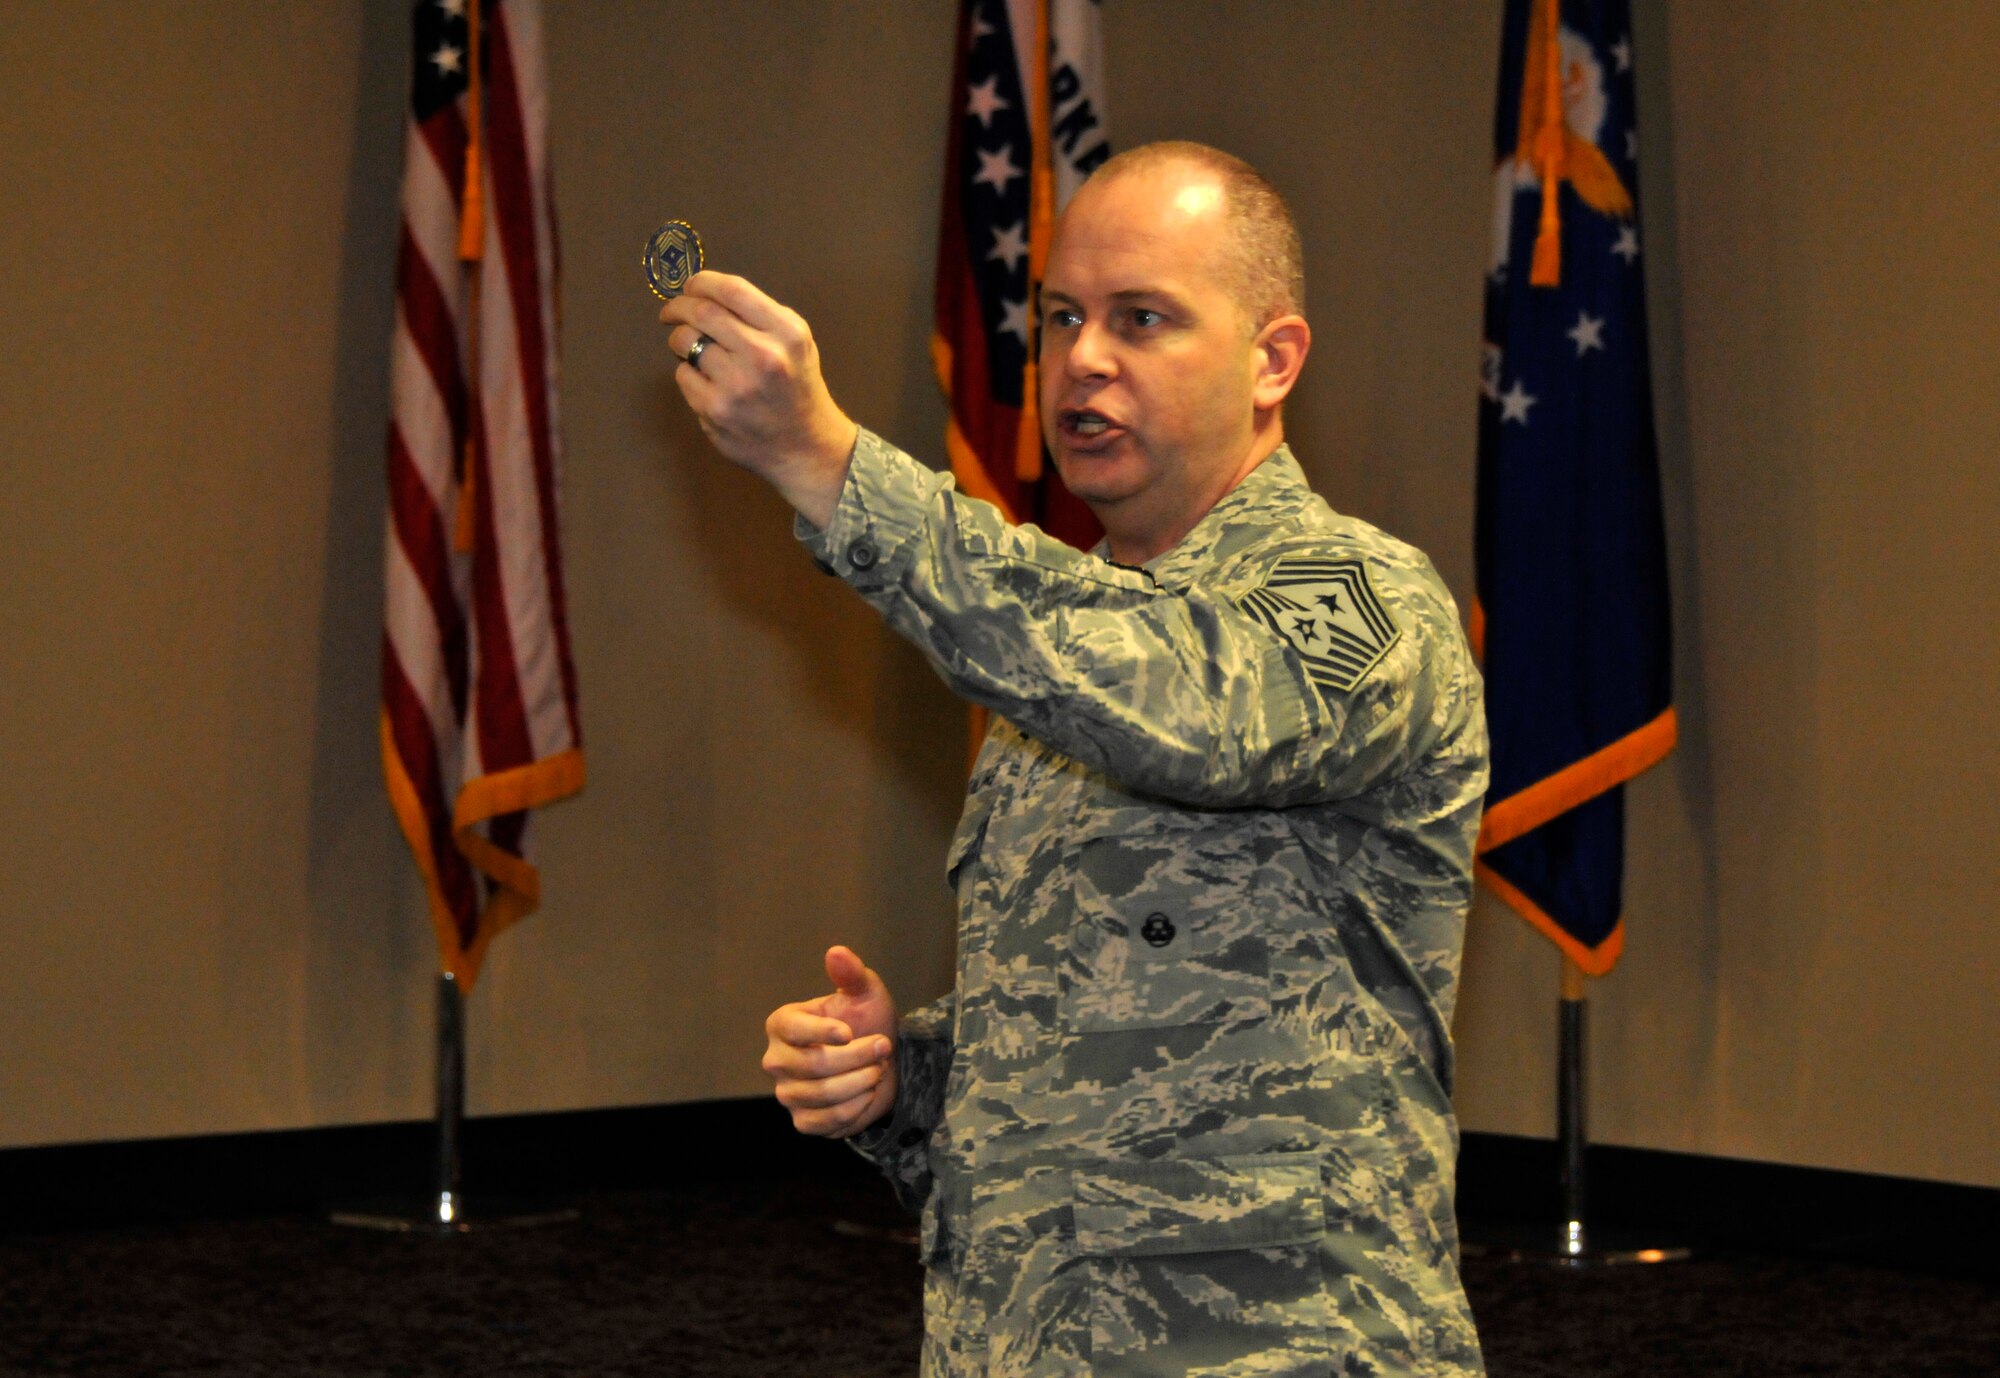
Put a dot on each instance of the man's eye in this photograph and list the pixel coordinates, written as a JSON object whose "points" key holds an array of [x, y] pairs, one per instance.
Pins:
{"points": [[1146, 319], [1063, 319]]}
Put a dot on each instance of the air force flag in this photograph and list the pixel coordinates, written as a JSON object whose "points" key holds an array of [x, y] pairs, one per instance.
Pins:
{"points": [[1571, 618]]}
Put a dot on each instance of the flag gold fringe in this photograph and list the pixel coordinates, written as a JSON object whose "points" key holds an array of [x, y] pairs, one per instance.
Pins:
{"points": [[1595, 961]]}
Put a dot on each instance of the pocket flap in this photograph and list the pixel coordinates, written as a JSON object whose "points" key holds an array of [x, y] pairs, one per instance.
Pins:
{"points": [[1199, 1205], [965, 840]]}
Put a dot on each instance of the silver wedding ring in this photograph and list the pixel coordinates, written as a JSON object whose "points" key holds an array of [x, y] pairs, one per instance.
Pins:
{"points": [[701, 342]]}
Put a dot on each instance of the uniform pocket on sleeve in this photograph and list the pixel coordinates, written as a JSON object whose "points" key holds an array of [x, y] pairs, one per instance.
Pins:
{"points": [[1205, 1265]]}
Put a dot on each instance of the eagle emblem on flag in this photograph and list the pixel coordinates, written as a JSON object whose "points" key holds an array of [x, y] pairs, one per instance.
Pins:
{"points": [[1328, 613]]}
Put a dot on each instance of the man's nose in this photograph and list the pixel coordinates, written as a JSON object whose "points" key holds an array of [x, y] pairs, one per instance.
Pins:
{"points": [[1091, 353]]}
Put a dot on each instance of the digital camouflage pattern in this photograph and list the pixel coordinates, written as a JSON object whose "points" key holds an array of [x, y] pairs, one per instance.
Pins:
{"points": [[1187, 1110]]}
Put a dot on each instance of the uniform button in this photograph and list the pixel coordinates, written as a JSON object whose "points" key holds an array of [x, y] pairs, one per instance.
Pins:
{"points": [[861, 555], [912, 1137], [1158, 930]]}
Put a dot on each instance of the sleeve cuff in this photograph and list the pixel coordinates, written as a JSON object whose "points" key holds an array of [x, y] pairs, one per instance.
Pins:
{"points": [[884, 504], [903, 1133]]}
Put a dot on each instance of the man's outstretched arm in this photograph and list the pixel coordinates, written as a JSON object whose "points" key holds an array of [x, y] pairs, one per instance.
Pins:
{"points": [[1180, 695]]}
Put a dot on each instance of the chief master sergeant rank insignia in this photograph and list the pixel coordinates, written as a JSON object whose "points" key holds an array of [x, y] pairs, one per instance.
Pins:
{"points": [[1327, 612]]}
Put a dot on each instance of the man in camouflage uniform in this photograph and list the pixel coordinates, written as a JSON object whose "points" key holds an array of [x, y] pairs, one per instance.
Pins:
{"points": [[1187, 1109]]}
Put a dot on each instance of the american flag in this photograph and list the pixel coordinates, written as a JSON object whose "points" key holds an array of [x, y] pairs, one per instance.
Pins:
{"points": [[1027, 125], [479, 707]]}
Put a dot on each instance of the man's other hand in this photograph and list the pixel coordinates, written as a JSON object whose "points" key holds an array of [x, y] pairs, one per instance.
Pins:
{"points": [[757, 390], [834, 1058]]}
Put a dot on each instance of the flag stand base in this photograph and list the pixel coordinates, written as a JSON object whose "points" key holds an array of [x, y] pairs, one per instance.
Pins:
{"points": [[450, 1216], [1575, 1244], [444, 1210], [1574, 1247]]}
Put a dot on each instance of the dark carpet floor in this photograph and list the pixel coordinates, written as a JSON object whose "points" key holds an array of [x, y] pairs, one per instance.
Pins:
{"points": [[770, 1278]]}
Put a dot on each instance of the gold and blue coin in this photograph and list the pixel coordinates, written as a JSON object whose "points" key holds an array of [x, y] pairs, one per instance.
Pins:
{"points": [[673, 255]]}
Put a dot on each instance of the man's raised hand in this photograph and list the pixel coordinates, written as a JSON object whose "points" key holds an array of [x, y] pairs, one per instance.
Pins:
{"points": [[757, 390], [833, 1058]]}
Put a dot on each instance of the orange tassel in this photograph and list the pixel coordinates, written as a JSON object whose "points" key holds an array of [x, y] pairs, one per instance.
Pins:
{"points": [[1041, 227], [471, 244], [1550, 146], [472, 219]]}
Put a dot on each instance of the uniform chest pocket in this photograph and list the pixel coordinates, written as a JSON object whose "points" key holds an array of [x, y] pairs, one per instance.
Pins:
{"points": [[1167, 930], [968, 837]]}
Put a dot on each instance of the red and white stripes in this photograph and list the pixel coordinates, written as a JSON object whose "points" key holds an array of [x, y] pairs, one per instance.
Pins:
{"points": [[479, 705]]}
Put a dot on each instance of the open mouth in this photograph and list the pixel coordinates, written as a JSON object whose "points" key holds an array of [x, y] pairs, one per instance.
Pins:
{"points": [[1086, 425]]}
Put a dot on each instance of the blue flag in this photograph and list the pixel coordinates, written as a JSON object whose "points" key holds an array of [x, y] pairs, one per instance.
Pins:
{"points": [[1571, 618]]}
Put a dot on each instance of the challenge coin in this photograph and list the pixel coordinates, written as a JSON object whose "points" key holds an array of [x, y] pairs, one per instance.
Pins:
{"points": [[673, 255]]}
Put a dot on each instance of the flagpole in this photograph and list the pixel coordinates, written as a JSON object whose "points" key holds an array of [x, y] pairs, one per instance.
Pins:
{"points": [[444, 1209], [1572, 1247], [449, 1195], [1572, 1131]]}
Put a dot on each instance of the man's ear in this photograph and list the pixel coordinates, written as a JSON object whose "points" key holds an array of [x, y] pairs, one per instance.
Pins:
{"points": [[1282, 346]]}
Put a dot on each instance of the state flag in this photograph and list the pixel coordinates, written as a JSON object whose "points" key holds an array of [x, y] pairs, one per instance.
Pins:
{"points": [[1027, 125]]}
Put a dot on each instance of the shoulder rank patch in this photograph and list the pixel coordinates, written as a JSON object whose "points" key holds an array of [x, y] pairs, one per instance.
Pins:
{"points": [[1327, 612]]}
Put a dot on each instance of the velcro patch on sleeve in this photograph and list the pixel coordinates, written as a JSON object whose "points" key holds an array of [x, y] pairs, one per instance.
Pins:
{"points": [[1326, 611]]}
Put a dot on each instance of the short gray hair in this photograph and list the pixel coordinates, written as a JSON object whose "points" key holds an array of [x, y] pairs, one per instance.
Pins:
{"points": [[1270, 269]]}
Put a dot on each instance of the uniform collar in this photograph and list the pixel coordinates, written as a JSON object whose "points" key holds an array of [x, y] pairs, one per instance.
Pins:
{"points": [[1276, 487]]}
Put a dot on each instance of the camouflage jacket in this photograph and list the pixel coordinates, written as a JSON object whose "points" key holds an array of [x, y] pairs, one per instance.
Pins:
{"points": [[1187, 1109]]}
